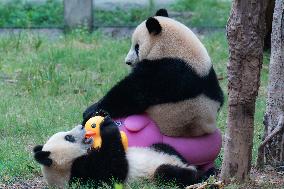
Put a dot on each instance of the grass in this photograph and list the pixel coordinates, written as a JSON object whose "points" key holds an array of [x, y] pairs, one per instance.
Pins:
{"points": [[45, 86], [214, 14], [19, 13], [54, 82], [119, 17], [206, 13]]}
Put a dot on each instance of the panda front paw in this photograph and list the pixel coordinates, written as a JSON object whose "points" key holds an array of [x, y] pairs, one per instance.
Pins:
{"points": [[109, 129]]}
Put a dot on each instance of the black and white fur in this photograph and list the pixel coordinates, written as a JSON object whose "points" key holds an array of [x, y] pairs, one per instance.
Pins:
{"points": [[65, 158], [172, 80]]}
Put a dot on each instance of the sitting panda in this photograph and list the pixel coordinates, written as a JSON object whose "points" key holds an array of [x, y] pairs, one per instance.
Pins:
{"points": [[172, 80], [68, 157]]}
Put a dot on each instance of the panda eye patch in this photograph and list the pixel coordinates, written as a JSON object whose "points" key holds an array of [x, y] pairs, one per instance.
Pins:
{"points": [[70, 138], [136, 49]]}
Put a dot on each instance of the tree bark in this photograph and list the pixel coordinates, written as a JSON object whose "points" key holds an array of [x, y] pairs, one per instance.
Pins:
{"points": [[272, 152], [268, 20], [245, 33]]}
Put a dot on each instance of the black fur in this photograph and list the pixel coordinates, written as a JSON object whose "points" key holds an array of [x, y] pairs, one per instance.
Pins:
{"points": [[200, 176], [162, 12], [153, 26], [212, 88], [204, 175], [105, 164], [165, 148], [42, 156], [153, 82], [37, 148], [180, 176]]}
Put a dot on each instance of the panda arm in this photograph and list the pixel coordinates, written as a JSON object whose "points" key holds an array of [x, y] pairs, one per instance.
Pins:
{"points": [[111, 138], [83, 168], [125, 98], [151, 82], [107, 162], [112, 151]]}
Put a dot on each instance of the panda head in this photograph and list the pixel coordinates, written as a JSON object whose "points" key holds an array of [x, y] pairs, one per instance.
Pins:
{"points": [[162, 37], [59, 152]]}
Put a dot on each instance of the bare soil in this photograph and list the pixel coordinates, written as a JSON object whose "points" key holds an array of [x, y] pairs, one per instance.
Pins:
{"points": [[267, 179], [35, 183]]}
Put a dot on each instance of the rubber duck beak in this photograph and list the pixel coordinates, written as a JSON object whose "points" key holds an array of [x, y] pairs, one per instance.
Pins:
{"points": [[90, 134]]}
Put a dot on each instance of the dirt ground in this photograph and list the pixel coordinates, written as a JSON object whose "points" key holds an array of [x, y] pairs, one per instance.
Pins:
{"points": [[35, 183], [268, 179]]}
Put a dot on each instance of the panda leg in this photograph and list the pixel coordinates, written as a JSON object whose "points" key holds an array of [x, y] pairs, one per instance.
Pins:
{"points": [[203, 176], [180, 176]]}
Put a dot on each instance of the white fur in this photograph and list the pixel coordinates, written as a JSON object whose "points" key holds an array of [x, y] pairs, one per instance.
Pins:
{"points": [[200, 118], [175, 41], [190, 117], [63, 154], [132, 56], [143, 162]]}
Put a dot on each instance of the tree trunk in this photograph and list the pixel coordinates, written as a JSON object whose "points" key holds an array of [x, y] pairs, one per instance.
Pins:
{"points": [[245, 33], [271, 151], [268, 20]]}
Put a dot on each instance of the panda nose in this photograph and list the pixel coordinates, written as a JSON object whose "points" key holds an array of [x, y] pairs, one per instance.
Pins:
{"points": [[128, 63]]}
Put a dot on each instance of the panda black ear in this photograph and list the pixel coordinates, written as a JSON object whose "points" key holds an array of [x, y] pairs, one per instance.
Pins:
{"points": [[42, 158], [37, 148], [162, 12], [153, 26]]}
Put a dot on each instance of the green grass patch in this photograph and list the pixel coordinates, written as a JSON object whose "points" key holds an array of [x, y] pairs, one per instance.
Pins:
{"points": [[205, 13], [20, 13], [119, 17], [46, 85], [45, 88]]}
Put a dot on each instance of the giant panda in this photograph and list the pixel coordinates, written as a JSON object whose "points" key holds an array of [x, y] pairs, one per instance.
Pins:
{"points": [[172, 80], [66, 158]]}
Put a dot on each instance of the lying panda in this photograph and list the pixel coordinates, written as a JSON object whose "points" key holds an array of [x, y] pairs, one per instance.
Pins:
{"points": [[66, 157], [172, 80]]}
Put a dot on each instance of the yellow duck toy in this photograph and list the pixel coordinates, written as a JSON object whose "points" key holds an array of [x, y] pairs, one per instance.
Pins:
{"points": [[92, 128]]}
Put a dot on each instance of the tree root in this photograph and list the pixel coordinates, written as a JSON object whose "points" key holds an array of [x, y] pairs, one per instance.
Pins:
{"points": [[278, 129]]}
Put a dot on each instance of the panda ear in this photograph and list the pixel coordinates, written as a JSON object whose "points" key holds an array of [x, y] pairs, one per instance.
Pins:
{"points": [[37, 148], [42, 157], [162, 12], [153, 26]]}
